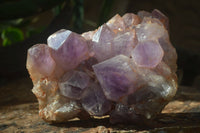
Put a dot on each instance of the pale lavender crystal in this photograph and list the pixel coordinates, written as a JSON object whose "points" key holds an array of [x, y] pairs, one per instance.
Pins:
{"points": [[131, 20], [102, 41], [39, 61], [57, 39], [124, 43], [73, 83], [125, 69], [148, 54], [150, 31], [70, 51], [155, 14]]}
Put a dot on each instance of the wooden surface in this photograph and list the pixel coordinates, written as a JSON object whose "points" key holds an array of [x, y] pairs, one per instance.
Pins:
{"points": [[19, 113]]}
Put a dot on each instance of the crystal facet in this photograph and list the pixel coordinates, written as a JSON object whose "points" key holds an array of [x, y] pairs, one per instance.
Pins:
{"points": [[125, 69]]}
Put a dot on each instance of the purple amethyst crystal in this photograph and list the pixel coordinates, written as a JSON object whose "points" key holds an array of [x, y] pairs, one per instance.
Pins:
{"points": [[125, 69], [94, 101], [147, 54], [68, 49], [72, 84], [116, 77]]}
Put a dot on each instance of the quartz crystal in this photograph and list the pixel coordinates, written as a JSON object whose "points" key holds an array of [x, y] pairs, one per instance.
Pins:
{"points": [[125, 69]]}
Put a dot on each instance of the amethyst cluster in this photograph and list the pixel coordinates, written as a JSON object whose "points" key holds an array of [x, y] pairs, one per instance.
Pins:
{"points": [[124, 69]]}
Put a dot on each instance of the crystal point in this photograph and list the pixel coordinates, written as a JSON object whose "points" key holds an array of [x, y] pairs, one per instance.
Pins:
{"points": [[131, 20], [57, 39], [71, 53], [116, 23], [116, 77], [39, 61], [148, 54]]}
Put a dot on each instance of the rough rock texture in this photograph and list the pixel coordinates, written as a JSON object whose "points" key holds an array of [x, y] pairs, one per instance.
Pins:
{"points": [[125, 69]]}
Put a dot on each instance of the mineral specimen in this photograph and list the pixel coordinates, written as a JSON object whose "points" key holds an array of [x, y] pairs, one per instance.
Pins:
{"points": [[124, 69]]}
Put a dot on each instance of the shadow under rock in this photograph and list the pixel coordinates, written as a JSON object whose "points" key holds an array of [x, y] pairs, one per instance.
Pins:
{"points": [[162, 120], [93, 123]]}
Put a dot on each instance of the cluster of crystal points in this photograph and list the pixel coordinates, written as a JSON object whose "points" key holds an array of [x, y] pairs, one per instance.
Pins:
{"points": [[124, 69]]}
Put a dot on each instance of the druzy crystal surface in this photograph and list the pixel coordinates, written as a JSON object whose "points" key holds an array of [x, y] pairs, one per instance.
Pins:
{"points": [[124, 69]]}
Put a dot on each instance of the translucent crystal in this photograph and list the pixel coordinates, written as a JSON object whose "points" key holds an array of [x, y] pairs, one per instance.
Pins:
{"points": [[72, 84], [39, 61], [131, 20], [57, 39], [102, 41], [116, 23], [69, 52], [124, 43], [150, 31], [116, 77], [148, 54], [126, 69], [94, 101], [159, 15]]}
